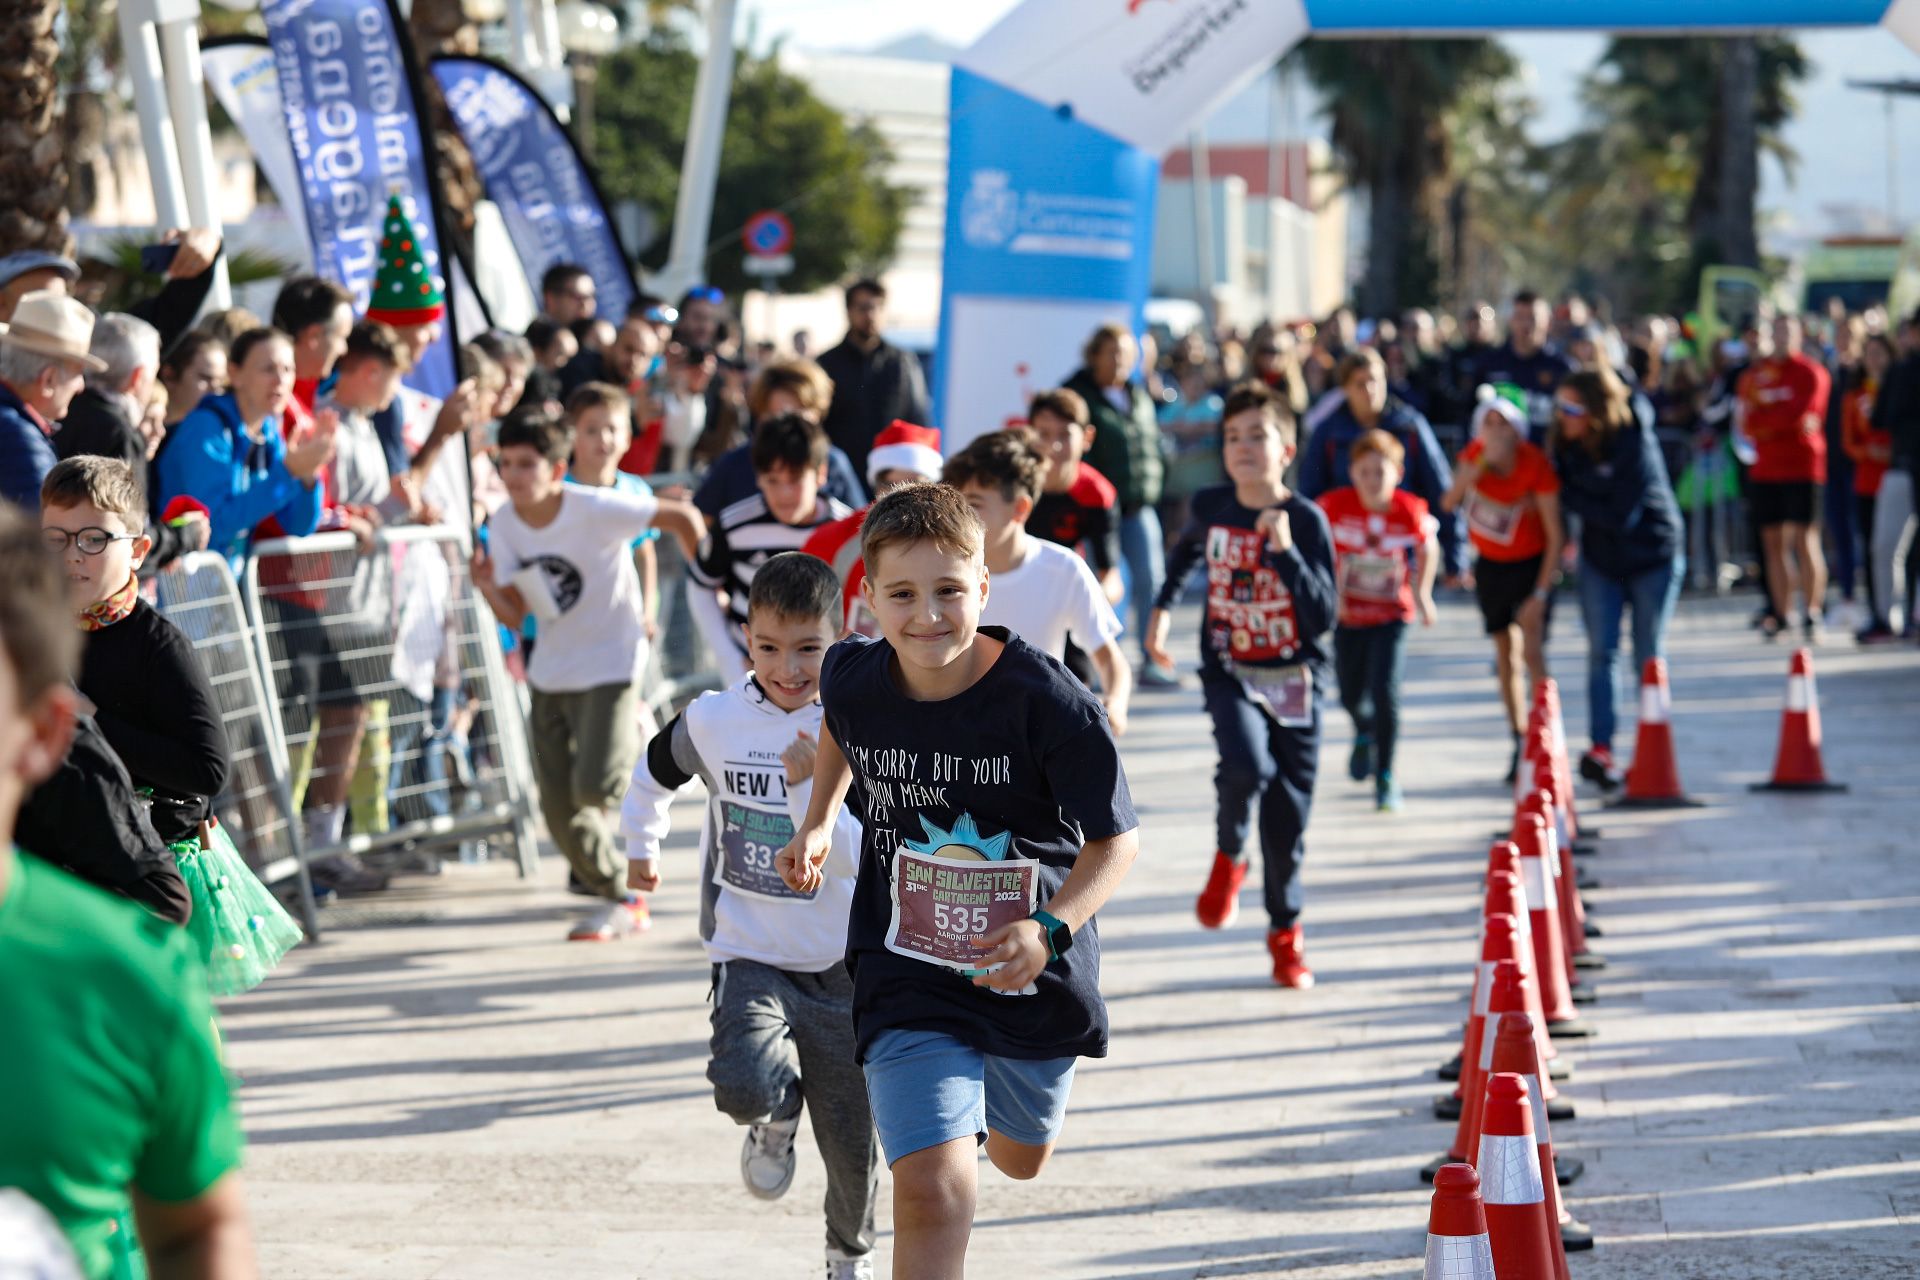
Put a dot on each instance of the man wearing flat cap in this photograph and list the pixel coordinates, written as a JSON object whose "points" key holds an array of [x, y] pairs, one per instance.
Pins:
{"points": [[43, 359]]}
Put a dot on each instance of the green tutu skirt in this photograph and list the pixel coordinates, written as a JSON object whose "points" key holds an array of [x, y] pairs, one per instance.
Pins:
{"points": [[240, 929]]}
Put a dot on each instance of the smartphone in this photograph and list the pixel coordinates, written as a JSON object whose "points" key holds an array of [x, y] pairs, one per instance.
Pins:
{"points": [[156, 258]]}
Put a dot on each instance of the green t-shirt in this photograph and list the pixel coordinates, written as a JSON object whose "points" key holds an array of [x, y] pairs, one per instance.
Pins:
{"points": [[111, 1076]]}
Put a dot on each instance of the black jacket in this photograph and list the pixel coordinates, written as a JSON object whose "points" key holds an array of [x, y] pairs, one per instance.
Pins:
{"points": [[96, 424], [1897, 410], [870, 390], [87, 818]]}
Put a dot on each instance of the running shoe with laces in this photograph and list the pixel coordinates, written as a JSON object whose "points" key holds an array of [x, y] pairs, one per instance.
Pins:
{"points": [[767, 1158], [613, 920], [1360, 760], [1387, 797], [1219, 903], [1288, 947], [1597, 767], [1154, 676], [842, 1267], [346, 875]]}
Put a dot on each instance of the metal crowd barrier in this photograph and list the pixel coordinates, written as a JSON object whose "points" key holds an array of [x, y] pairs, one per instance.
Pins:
{"points": [[680, 667], [198, 594], [395, 647]]}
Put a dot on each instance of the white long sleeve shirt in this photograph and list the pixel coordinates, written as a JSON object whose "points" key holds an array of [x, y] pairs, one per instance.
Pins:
{"points": [[732, 739]]}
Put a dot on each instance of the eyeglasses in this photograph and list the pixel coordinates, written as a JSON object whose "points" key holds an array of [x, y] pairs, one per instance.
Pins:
{"points": [[1570, 408], [91, 541]]}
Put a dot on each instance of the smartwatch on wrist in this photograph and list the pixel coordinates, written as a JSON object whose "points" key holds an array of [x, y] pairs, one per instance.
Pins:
{"points": [[1059, 937]]}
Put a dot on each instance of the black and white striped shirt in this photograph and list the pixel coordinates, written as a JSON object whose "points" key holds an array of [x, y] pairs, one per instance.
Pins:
{"points": [[744, 536]]}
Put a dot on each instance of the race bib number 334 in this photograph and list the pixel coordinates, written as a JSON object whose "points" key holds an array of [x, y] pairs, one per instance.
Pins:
{"points": [[941, 904]]}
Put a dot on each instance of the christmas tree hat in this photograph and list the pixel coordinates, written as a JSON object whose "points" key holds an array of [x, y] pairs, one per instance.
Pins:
{"points": [[405, 292]]}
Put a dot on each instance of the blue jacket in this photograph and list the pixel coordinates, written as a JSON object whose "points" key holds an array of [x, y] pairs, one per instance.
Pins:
{"points": [[26, 455], [210, 457], [1323, 467], [1628, 519]]}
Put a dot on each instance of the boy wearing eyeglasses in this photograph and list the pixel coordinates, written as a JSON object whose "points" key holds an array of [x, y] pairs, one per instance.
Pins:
{"points": [[149, 695]]}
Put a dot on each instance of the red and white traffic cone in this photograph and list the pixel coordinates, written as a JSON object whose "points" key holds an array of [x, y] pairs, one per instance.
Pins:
{"points": [[1513, 1050], [1550, 955], [1797, 765], [1511, 1190], [1653, 781], [1496, 948], [1509, 995], [1457, 1245], [1504, 897], [1566, 886]]}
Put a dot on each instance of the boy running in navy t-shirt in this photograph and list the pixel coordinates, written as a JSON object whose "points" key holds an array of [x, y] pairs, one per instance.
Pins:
{"points": [[1263, 661], [996, 821]]}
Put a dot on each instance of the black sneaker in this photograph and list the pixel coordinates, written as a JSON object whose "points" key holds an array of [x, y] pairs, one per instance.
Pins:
{"points": [[1878, 633], [1598, 768], [1513, 765]]}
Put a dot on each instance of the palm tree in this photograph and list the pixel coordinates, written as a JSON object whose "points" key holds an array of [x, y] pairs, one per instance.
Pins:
{"points": [[33, 173], [1390, 104]]}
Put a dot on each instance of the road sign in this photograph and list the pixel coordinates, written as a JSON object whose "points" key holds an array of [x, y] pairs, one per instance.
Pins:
{"points": [[768, 234], [774, 265]]}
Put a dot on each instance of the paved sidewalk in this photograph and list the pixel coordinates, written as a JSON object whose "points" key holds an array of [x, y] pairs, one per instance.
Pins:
{"points": [[447, 1089]]}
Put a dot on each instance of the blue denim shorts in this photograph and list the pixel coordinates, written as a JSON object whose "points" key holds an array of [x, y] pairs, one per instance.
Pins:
{"points": [[926, 1088]]}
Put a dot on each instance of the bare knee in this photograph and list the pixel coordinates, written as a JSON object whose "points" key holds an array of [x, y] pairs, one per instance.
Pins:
{"points": [[935, 1186], [1020, 1161]]}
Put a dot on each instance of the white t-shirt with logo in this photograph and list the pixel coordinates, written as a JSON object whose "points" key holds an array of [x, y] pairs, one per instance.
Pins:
{"points": [[578, 578], [1049, 597]]}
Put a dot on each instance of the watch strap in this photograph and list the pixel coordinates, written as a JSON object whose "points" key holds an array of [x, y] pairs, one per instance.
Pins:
{"points": [[1048, 923]]}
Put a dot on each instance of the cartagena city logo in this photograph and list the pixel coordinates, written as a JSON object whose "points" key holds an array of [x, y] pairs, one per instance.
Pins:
{"points": [[991, 210]]}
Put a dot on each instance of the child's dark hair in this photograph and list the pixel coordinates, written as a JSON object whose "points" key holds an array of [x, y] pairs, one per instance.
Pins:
{"points": [[547, 436], [1061, 402], [788, 441], [1250, 396], [913, 513], [372, 340], [36, 624], [1007, 461], [795, 587], [107, 483], [542, 334]]}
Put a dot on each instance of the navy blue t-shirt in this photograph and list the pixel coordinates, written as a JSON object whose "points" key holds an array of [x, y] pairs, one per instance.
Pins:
{"points": [[1022, 765], [1264, 609]]}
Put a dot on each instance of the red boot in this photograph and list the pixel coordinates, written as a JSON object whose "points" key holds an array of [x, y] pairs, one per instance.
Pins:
{"points": [[1289, 950], [1219, 903]]}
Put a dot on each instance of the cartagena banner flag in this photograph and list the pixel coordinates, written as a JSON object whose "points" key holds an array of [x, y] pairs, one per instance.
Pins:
{"points": [[545, 191], [355, 123]]}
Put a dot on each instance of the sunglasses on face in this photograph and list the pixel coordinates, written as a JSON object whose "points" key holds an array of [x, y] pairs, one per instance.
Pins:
{"points": [[1570, 408], [706, 293], [91, 541]]}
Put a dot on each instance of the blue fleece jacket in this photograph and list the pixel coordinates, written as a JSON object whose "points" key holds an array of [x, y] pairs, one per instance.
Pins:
{"points": [[26, 455], [210, 456], [1323, 467]]}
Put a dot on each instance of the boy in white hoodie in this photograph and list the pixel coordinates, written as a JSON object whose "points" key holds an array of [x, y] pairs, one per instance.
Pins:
{"points": [[782, 1002]]}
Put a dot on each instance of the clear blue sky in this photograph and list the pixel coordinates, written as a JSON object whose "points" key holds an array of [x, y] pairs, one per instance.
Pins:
{"points": [[1840, 133]]}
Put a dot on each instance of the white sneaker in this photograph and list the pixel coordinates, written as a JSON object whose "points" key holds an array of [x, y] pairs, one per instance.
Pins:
{"points": [[841, 1267], [612, 920], [767, 1158]]}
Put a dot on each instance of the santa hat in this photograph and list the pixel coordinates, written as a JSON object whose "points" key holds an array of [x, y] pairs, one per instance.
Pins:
{"points": [[405, 291], [1505, 400], [184, 510], [905, 447]]}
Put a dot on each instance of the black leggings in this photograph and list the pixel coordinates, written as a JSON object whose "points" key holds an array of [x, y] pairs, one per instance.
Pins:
{"points": [[1368, 662]]}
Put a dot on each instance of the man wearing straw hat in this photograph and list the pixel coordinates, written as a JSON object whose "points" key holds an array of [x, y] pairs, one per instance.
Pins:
{"points": [[43, 360]]}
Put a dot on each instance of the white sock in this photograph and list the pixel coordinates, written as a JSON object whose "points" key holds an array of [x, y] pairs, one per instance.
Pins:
{"points": [[325, 825]]}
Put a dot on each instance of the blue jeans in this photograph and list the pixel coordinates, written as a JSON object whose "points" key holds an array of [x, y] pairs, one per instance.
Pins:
{"points": [[1651, 594], [1143, 567], [1270, 764]]}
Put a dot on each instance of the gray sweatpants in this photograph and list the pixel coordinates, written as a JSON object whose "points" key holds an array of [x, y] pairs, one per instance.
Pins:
{"points": [[780, 1038]]}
